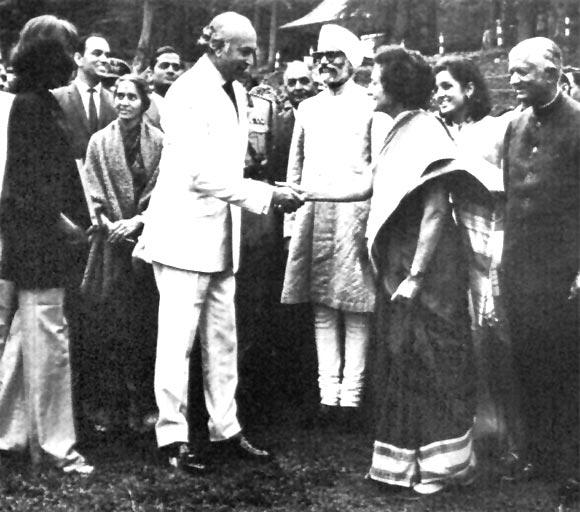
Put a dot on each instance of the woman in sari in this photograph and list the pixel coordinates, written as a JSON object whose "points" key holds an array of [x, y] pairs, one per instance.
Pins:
{"points": [[463, 100], [121, 169], [420, 254]]}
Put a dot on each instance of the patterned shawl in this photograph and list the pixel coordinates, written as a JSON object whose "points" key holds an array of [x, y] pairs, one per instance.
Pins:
{"points": [[419, 149], [111, 184]]}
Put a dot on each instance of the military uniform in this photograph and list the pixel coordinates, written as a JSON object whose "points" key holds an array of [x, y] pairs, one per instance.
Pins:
{"points": [[272, 355]]}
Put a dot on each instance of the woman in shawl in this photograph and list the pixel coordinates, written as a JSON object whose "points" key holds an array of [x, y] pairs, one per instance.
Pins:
{"points": [[420, 254], [462, 97], [121, 169]]}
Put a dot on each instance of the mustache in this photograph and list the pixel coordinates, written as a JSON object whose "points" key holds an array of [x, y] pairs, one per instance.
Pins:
{"points": [[325, 68]]}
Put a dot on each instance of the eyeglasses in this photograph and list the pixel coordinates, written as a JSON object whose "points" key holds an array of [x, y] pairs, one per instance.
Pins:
{"points": [[166, 65], [331, 56], [303, 80]]}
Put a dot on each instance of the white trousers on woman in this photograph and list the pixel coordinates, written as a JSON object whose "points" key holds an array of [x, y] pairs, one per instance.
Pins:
{"points": [[35, 381], [188, 300], [347, 391]]}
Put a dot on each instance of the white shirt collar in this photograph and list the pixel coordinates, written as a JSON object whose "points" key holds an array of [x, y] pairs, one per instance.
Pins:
{"points": [[83, 88]]}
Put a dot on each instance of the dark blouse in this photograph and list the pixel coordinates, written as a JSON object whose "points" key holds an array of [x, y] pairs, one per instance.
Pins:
{"points": [[41, 182]]}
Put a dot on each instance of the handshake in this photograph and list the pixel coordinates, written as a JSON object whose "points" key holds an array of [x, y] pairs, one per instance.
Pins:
{"points": [[287, 197]]}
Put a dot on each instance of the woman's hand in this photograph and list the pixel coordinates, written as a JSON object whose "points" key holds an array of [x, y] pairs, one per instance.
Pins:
{"points": [[408, 289], [120, 230], [303, 193]]}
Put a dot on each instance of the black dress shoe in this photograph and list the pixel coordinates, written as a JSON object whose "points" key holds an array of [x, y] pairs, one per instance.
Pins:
{"points": [[239, 446], [181, 456]]}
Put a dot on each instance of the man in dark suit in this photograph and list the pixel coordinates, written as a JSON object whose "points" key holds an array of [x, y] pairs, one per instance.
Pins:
{"points": [[87, 105], [541, 263]]}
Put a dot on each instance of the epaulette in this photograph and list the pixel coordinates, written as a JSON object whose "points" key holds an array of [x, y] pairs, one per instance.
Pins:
{"points": [[265, 92]]}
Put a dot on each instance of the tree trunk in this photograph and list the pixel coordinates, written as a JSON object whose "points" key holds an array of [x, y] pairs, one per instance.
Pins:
{"points": [[257, 21], [139, 62], [526, 19], [432, 24], [273, 35], [401, 19]]}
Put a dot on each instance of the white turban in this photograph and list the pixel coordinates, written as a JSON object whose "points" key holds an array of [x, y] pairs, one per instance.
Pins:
{"points": [[336, 38]]}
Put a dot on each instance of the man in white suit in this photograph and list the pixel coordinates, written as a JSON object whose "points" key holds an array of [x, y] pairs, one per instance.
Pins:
{"points": [[193, 238]]}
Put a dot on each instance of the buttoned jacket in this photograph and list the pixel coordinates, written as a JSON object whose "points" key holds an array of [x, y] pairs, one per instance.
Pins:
{"points": [[77, 123], [194, 210]]}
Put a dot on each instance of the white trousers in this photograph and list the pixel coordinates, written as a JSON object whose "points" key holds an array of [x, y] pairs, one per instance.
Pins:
{"points": [[347, 391], [35, 380], [188, 301]]}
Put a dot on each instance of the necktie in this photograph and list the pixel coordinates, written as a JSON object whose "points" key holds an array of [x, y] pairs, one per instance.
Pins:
{"points": [[93, 118], [229, 89]]}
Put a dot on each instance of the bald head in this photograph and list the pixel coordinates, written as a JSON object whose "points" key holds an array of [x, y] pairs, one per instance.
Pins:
{"points": [[231, 41], [535, 66], [228, 25], [543, 50]]}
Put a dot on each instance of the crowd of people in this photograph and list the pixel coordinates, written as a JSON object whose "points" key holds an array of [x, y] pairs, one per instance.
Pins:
{"points": [[400, 229]]}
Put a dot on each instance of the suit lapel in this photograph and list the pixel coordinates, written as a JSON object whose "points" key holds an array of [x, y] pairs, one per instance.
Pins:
{"points": [[77, 108], [107, 110]]}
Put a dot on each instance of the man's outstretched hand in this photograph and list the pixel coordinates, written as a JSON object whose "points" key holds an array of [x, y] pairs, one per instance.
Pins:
{"points": [[286, 199]]}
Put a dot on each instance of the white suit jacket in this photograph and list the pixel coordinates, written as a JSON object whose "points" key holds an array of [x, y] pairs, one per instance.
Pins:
{"points": [[201, 175]]}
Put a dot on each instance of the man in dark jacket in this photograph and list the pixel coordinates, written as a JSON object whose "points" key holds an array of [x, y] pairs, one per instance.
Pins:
{"points": [[87, 107], [541, 258], [86, 104]]}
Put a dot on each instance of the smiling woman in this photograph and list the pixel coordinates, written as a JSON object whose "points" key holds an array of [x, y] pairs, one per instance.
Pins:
{"points": [[463, 100], [131, 99], [121, 170], [460, 91]]}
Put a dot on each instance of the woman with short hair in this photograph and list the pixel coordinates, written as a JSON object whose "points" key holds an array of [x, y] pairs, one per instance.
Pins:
{"points": [[42, 215], [420, 253]]}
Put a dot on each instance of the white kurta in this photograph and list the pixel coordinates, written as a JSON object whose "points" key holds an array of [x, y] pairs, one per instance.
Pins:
{"points": [[327, 261]]}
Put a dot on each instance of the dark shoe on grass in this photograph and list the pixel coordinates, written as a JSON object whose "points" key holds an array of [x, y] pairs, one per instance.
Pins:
{"points": [[239, 447], [181, 456]]}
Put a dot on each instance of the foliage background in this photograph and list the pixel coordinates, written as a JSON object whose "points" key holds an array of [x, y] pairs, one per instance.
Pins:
{"points": [[417, 22]]}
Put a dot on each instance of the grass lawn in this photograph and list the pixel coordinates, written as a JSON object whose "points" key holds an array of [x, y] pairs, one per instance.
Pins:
{"points": [[315, 470]]}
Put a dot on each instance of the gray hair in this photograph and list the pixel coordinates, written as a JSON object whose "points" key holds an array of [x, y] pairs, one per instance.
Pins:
{"points": [[221, 30]]}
